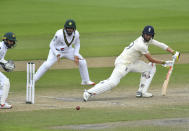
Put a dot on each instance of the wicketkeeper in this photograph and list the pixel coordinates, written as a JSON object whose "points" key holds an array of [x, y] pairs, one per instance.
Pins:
{"points": [[129, 61], [9, 41], [61, 47]]}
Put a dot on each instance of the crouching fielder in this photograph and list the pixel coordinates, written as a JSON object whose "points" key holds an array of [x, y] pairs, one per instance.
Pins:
{"points": [[9, 41], [61, 47], [129, 61]]}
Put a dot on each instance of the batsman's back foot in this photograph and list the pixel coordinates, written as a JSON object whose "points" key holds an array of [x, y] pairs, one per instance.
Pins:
{"points": [[138, 94]]}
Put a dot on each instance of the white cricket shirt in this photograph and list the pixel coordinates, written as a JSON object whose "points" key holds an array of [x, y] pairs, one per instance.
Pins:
{"points": [[136, 49], [58, 44], [3, 51]]}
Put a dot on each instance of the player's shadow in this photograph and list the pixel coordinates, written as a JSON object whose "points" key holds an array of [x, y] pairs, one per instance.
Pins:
{"points": [[76, 99], [109, 98], [67, 99]]}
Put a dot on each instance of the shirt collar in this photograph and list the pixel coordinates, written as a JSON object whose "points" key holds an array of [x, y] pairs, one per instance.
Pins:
{"points": [[147, 43]]}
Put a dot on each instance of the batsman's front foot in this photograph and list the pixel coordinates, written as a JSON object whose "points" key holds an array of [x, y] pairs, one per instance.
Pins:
{"points": [[86, 95], [144, 95], [5, 106], [138, 94], [89, 83]]}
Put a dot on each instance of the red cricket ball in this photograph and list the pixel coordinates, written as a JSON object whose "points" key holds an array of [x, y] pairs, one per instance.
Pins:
{"points": [[77, 108]]}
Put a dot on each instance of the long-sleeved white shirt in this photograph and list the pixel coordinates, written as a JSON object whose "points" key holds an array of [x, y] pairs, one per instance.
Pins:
{"points": [[3, 51], [136, 49], [58, 44]]}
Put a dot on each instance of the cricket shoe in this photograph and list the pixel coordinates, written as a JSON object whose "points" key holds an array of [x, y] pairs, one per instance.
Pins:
{"points": [[138, 94], [83, 83], [86, 95], [144, 95], [5, 106]]}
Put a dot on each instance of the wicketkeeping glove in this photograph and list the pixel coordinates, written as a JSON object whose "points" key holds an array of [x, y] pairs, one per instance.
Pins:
{"points": [[8, 66], [168, 63]]}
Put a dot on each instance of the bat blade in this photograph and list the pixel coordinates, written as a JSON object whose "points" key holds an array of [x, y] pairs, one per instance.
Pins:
{"points": [[166, 82], [164, 88]]}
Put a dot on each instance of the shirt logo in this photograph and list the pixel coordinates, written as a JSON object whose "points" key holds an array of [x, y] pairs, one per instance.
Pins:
{"points": [[70, 23]]}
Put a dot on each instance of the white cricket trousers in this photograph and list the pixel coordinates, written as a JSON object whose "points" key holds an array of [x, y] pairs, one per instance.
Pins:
{"points": [[4, 88], [120, 71], [69, 55]]}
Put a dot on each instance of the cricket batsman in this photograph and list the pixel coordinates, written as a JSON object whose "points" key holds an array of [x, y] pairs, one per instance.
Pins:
{"points": [[129, 61], [61, 47], [9, 41]]}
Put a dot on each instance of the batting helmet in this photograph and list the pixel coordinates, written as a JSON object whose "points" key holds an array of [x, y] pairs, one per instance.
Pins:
{"points": [[70, 24], [149, 30]]}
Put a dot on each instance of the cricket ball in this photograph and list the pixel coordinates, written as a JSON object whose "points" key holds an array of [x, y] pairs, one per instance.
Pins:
{"points": [[77, 108]]}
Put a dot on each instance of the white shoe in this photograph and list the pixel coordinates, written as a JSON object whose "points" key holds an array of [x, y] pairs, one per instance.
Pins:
{"points": [[87, 83], [145, 95], [5, 106], [86, 95]]}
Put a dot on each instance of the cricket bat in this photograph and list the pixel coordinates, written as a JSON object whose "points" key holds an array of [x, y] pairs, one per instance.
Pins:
{"points": [[166, 82]]}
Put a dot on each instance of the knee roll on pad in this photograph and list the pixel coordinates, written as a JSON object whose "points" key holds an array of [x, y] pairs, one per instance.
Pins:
{"points": [[148, 74]]}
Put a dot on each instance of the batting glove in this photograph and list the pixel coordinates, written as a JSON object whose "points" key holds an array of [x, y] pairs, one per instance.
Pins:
{"points": [[168, 63], [176, 55]]}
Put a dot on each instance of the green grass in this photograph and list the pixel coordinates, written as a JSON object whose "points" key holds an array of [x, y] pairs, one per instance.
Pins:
{"points": [[39, 120], [62, 80], [105, 26]]}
